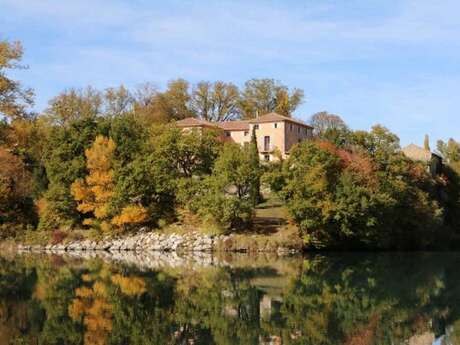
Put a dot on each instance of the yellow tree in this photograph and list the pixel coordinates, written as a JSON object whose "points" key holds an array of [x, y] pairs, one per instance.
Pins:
{"points": [[130, 215], [95, 192], [92, 307]]}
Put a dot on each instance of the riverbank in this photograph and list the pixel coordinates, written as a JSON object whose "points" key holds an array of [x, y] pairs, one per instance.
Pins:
{"points": [[271, 232], [185, 242]]}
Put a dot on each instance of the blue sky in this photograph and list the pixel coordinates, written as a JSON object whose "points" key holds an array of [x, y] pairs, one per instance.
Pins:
{"points": [[389, 62]]}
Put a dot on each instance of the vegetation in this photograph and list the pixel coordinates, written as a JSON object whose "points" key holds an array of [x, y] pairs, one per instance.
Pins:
{"points": [[361, 196], [107, 162]]}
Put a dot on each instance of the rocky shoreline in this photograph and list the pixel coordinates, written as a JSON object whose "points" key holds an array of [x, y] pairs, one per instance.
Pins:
{"points": [[155, 242]]}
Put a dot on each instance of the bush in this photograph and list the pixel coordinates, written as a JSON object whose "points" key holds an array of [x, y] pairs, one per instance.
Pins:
{"points": [[229, 211]]}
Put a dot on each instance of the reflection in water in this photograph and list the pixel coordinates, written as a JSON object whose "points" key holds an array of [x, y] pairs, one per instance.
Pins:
{"points": [[347, 299]]}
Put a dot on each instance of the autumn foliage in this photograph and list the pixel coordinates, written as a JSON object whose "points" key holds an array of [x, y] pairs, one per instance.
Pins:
{"points": [[131, 214], [94, 193]]}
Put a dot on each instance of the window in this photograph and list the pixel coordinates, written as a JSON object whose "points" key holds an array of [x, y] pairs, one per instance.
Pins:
{"points": [[290, 127], [256, 126], [298, 129], [246, 133], [267, 158], [276, 125], [227, 134], [266, 143]]}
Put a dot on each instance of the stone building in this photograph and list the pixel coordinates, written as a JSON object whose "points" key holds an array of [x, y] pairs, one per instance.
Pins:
{"points": [[274, 132], [432, 160]]}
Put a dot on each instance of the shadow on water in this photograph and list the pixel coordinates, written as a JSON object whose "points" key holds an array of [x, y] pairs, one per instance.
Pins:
{"points": [[128, 298]]}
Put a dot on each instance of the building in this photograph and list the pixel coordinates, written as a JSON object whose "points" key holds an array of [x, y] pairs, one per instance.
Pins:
{"points": [[432, 160], [274, 132]]}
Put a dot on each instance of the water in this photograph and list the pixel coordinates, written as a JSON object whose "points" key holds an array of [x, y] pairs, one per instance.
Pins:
{"points": [[347, 299]]}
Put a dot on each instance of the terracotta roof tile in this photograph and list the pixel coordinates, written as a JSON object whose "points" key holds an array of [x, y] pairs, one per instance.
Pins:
{"points": [[234, 125], [194, 122], [273, 117]]}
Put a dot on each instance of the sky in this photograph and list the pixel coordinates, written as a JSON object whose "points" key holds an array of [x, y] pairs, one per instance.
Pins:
{"points": [[389, 62]]}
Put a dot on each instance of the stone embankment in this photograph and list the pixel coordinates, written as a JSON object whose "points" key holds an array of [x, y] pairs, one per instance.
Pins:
{"points": [[155, 242]]}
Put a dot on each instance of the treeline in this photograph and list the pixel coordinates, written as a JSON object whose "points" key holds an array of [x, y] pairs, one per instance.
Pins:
{"points": [[356, 189], [112, 161]]}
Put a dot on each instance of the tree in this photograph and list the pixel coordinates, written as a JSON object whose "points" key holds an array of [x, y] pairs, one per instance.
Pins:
{"points": [[366, 196], [426, 143], [95, 192], [143, 103], [189, 153], [14, 98], [15, 190], [131, 215], [118, 101], [450, 151], [255, 170], [229, 191], [172, 104], [144, 190], [64, 161], [216, 101], [261, 96], [323, 122], [75, 104]]}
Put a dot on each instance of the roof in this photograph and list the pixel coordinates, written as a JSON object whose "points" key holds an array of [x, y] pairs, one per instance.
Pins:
{"points": [[234, 125], [194, 122], [274, 117], [417, 153]]}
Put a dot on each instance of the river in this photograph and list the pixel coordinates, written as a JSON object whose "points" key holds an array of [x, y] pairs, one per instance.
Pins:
{"points": [[128, 298]]}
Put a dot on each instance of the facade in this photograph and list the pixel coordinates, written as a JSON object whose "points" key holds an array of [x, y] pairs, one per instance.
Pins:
{"points": [[275, 133], [432, 160]]}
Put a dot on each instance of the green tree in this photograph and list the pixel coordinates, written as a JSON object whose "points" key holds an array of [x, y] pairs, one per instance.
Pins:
{"points": [[190, 153], [64, 160], [361, 198], [450, 150], [227, 192], [255, 170], [149, 183]]}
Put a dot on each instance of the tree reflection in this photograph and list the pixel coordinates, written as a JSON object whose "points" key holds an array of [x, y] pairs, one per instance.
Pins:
{"points": [[335, 299]]}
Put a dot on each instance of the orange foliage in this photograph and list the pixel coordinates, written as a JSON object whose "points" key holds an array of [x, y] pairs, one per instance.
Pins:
{"points": [[92, 307], [94, 193], [131, 214], [356, 161], [131, 286]]}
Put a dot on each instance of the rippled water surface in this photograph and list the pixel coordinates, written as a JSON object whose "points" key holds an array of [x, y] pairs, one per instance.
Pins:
{"points": [[349, 299]]}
